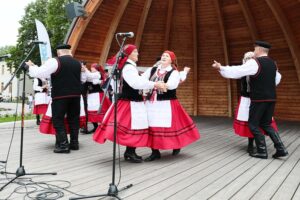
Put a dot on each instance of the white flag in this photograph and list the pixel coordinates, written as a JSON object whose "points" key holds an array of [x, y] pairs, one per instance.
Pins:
{"points": [[45, 49]]}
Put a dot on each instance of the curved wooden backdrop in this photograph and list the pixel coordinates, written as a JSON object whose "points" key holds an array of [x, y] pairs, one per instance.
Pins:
{"points": [[199, 31]]}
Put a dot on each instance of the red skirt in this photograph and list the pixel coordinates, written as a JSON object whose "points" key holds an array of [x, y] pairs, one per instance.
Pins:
{"points": [[94, 116], [241, 128], [46, 125], [40, 109], [182, 132], [125, 134]]}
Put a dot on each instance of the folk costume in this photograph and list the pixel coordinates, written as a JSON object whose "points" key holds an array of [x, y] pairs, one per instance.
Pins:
{"points": [[41, 99], [95, 96], [240, 124], [264, 77], [170, 126], [132, 122], [65, 74]]}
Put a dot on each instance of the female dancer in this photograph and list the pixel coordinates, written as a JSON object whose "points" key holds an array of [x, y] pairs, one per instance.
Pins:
{"points": [[170, 127], [132, 122]]}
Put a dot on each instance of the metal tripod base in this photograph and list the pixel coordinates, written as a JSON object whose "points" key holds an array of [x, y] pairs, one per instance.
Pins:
{"points": [[21, 172], [112, 192]]}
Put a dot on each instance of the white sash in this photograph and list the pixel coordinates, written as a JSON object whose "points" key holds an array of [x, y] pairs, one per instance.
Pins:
{"points": [[159, 113], [93, 101], [138, 115], [40, 98], [243, 111]]}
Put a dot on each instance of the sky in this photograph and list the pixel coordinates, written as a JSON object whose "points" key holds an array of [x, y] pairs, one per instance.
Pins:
{"points": [[11, 12]]}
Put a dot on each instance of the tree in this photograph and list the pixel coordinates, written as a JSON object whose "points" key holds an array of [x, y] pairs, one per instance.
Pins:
{"points": [[53, 15], [5, 50], [57, 21], [27, 33]]}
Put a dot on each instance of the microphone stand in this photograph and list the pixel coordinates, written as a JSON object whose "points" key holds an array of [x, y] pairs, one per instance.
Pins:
{"points": [[115, 74], [21, 170]]}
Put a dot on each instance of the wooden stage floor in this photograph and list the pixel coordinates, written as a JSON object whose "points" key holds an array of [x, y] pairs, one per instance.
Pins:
{"points": [[215, 167]]}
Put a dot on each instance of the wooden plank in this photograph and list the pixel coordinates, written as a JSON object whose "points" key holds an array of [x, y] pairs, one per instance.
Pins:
{"points": [[111, 32], [271, 186], [249, 19], [142, 22], [81, 24], [231, 183], [288, 33], [225, 51], [168, 24], [218, 162], [195, 187], [195, 60]]}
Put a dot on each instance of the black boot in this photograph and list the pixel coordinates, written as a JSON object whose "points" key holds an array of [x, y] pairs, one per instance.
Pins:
{"points": [[74, 144], [63, 147], [154, 155], [175, 152], [61, 143], [278, 144], [84, 130], [261, 147], [94, 129], [130, 155], [250, 145], [38, 121]]}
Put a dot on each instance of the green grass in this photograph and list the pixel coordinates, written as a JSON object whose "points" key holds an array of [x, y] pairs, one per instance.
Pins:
{"points": [[11, 118]]}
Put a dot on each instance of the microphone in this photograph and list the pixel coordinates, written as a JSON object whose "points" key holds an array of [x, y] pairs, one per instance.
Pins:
{"points": [[128, 34], [38, 42], [5, 56]]}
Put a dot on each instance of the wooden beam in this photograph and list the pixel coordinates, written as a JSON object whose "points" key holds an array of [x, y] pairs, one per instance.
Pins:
{"points": [[195, 56], [225, 50], [112, 29], [288, 34], [168, 24], [81, 24], [249, 19], [142, 22]]}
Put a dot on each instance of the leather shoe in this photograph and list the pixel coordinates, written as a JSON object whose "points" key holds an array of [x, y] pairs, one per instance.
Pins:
{"points": [[62, 148], [153, 156], [280, 154], [250, 149], [259, 155], [74, 146], [132, 157], [83, 130], [175, 152], [59, 149]]}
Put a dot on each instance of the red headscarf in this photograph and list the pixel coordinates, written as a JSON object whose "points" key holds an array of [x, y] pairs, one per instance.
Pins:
{"points": [[127, 49], [173, 58], [100, 69]]}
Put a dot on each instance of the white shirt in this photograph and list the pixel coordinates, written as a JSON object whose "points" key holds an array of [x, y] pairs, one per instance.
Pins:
{"points": [[173, 80], [50, 67], [247, 69], [134, 80]]}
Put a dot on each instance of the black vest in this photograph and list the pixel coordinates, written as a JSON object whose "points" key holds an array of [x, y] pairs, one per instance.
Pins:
{"points": [[262, 84], [170, 94], [66, 80], [40, 84], [244, 85], [93, 88], [127, 92]]}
